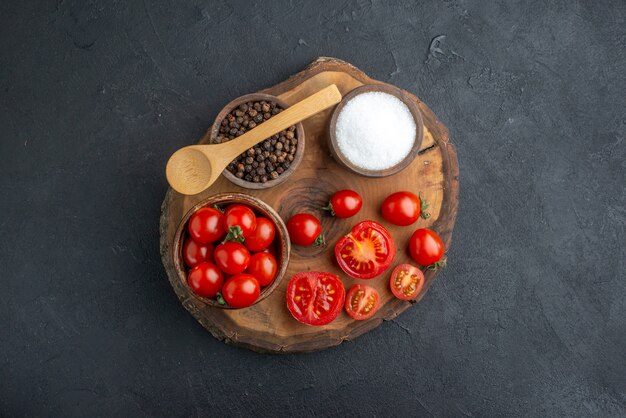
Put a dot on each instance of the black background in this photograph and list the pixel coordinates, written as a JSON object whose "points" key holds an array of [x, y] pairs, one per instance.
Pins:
{"points": [[527, 320]]}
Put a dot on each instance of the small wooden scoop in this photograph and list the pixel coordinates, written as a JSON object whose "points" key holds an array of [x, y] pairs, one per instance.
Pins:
{"points": [[192, 169]]}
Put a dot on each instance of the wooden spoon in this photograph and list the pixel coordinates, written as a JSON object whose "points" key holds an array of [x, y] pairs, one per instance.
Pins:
{"points": [[192, 169]]}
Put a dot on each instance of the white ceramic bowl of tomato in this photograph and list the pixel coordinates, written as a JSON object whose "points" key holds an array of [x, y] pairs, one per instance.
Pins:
{"points": [[279, 247]]}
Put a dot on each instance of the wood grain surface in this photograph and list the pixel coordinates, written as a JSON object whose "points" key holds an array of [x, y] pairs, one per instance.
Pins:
{"points": [[268, 326]]}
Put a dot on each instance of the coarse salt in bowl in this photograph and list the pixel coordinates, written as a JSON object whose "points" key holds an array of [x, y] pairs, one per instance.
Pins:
{"points": [[376, 130]]}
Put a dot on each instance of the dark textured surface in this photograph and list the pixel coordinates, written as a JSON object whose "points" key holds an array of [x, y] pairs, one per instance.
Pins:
{"points": [[529, 318]]}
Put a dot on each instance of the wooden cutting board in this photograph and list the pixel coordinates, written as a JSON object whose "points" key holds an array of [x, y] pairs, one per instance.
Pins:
{"points": [[268, 326]]}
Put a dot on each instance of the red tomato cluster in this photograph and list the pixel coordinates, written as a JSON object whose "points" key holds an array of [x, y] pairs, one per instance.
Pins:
{"points": [[368, 250], [235, 269]]}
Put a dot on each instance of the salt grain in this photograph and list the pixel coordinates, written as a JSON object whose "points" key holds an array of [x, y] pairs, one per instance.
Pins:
{"points": [[375, 130]]}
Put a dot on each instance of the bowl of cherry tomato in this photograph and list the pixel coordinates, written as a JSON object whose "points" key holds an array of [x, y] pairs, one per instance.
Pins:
{"points": [[231, 250]]}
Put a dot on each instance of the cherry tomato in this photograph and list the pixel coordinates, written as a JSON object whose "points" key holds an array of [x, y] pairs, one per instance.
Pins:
{"points": [[262, 236], [401, 208], [205, 279], [345, 203], [241, 216], [426, 247], [362, 302], [305, 229], [366, 251], [194, 253], [232, 257], [206, 225], [241, 290], [315, 298], [263, 266], [406, 282]]}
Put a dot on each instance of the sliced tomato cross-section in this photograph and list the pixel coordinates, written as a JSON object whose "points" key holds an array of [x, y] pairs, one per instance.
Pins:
{"points": [[366, 251], [362, 301], [406, 282], [315, 297]]}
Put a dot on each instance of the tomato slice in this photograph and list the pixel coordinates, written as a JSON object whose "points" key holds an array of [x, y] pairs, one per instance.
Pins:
{"points": [[366, 251], [315, 297], [362, 302], [406, 282]]}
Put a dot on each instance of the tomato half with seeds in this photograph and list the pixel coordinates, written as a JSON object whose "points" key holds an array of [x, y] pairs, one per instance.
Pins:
{"points": [[362, 302], [366, 251], [406, 282], [315, 297]]}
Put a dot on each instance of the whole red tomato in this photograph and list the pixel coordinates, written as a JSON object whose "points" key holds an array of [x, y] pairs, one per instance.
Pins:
{"points": [[345, 203], [305, 229], [206, 225], [263, 266], [195, 253], [232, 257], [241, 290], [403, 208], [426, 247], [205, 279], [241, 216], [262, 236]]}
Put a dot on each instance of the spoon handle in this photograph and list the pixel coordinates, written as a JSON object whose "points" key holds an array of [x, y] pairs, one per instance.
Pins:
{"points": [[315, 103]]}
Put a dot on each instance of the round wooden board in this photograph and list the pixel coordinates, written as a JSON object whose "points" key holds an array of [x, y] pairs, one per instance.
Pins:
{"points": [[268, 326]]}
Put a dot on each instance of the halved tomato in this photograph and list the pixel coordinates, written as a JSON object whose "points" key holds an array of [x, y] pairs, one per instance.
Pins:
{"points": [[362, 302], [406, 282], [315, 297], [366, 251]]}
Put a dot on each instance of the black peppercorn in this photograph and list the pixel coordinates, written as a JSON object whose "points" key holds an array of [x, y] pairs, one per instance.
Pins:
{"points": [[267, 160]]}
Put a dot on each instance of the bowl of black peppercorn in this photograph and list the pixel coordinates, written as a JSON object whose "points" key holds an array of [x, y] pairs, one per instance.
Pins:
{"points": [[269, 162]]}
